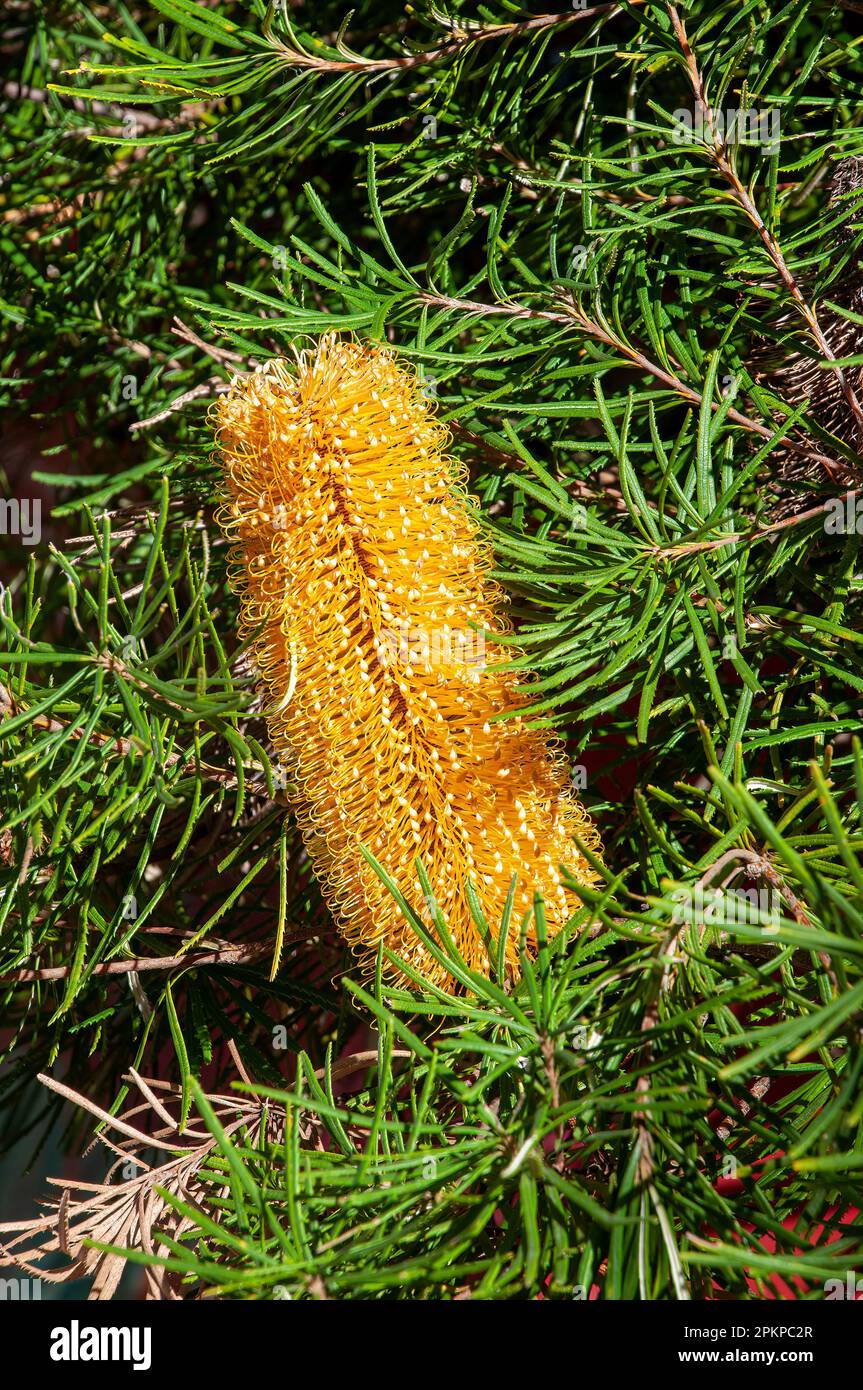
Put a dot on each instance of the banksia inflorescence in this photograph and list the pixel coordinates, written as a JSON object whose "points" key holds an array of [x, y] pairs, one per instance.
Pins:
{"points": [[367, 601]]}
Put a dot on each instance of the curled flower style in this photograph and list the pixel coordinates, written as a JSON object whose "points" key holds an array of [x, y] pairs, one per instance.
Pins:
{"points": [[366, 597]]}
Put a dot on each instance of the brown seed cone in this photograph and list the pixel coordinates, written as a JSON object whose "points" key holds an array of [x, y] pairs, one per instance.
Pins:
{"points": [[798, 377]]}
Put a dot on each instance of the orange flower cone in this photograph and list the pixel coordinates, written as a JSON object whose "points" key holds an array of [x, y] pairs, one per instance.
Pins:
{"points": [[366, 598]]}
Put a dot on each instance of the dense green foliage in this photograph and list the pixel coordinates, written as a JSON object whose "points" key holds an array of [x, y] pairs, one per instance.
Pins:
{"points": [[670, 1101]]}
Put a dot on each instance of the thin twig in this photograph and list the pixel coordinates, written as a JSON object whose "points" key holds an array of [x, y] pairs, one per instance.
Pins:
{"points": [[572, 315], [188, 335], [211, 387], [757, 533], [464, 39], [235, 955]]}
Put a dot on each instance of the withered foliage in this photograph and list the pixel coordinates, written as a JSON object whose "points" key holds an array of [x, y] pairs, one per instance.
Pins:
{"points": [[154, 1154]]}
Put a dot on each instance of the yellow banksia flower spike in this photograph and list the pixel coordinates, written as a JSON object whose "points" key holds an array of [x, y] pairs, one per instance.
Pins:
{"points": [[365, 591]]}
